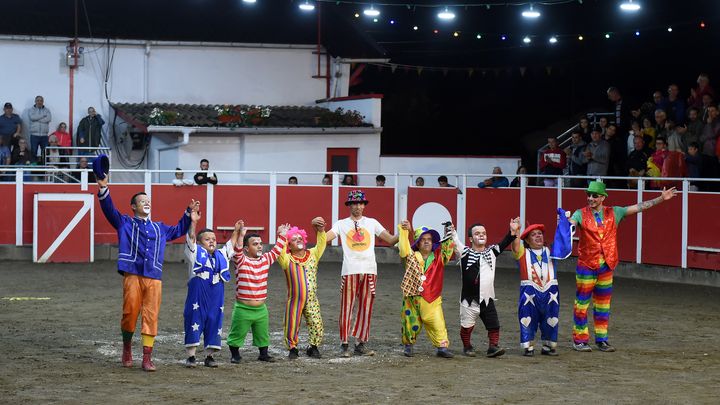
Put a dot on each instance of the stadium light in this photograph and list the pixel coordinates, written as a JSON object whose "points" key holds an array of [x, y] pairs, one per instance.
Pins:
{"points": [[531, 13], [371, 12], [306, 6], [629, 6], [249, 1], [527, 40], [446, 15], [553, 40]]}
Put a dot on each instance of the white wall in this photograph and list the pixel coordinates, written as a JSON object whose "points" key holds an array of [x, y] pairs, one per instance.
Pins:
{"points": [[479, 167], [175, 74]]}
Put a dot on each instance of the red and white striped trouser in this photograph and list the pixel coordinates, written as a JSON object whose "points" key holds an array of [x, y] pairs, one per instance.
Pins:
{"points": [[361, 286]]}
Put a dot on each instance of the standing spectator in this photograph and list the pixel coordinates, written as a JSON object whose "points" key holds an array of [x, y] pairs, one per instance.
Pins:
{"points": [[380, 180], [180, 179], [603, 123], [89, 131], [40, 118], [63, 137], [618, 154], [292, 180], [21, 155], [5, 157], [584, 127], [597, 154], [697, 165], [203, 177], [495, 181], [703, 88], [691, 131], [574, 153], [419, 182], [516, 180], [622, 111], [707, 101], [673, 105], [708, 142], [634, 131], [674, 140], [552, 161], [657, 99], [636, 164], [348, 180], [660, 121], [10, 126], [666, 163]]}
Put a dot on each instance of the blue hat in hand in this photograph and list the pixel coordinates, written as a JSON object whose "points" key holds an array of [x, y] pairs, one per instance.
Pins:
{"points": [[101, 166]]}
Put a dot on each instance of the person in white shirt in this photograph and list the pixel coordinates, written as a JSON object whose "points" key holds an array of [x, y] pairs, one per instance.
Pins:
{"points": [[359, 270], [180, 179]]}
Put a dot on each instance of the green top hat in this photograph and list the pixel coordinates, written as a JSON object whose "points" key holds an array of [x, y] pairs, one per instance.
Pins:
{"points": [[597, 187]]}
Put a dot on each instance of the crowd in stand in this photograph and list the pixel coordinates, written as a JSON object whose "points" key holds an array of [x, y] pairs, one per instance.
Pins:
{"points": [[30, 147]]}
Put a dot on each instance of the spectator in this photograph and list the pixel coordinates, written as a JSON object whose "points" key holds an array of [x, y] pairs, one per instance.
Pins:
{"points": [[574, 153], [649, 132], [660, 121], [597, 154], [180, 179], [40, 118], [89, 131], [380, 180], [10, 126], [443, 182], [5, 157], [419, 182], [708, 141], [552, 161], [634, 131], [584, 127], [707, 102], [292, 180], [622, 112], [697, 166], [495, 181], [327, 180], [618, 155], [603, 122], [657, 99], [516, 180], [64, 140], [21, 155], [693, 128], [202, 177], [83, 165], [348, 180], [671, 163], [636, 164], [674, 140], [703, 88], [673, 105], [52, 156]]}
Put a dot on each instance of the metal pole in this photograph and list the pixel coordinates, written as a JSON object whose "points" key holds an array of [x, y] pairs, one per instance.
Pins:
{"points": [[684, 237], [638, 229], [523, 195], [272, 222]]}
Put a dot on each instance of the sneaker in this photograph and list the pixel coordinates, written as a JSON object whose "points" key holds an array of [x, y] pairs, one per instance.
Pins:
{"points": [[605, 347], [313, 352], [345, 350], [293, 353], [444, 353], [210, 361], [235, 355], [190, 362], [494, 351], [582, 347], [361, 350], [469, 351], [408, 351], [548, 351], [529, 352]]}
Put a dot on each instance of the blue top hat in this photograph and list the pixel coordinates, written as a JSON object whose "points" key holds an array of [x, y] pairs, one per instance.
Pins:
{"points": [[101, 166]]}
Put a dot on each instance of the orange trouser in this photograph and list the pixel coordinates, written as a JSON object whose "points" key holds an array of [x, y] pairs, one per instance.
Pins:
{"points": [[141, 293]]}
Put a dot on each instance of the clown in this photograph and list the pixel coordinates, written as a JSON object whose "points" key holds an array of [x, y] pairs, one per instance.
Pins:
{"points": [[539, 304], [422, 286], [597, 259], [300, 265]]}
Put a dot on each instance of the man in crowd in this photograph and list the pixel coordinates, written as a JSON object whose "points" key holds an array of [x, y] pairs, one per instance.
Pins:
{"points": [[636, 164], [574, 153], [380, 180], [618, 154], [180, 180], [495, 181], [89, 131], [292, 180], [673, 105], [552, 161], [40, 118], [597, 154], [202, 177], [359, 270], [10, 126], [622, 111]]}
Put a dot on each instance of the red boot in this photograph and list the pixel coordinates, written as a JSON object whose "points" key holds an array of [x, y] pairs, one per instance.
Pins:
{"points": [[127, 360], [147, 363]]}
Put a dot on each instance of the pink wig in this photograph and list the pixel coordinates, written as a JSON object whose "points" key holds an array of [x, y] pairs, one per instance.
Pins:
{"points": [[295, 230]]}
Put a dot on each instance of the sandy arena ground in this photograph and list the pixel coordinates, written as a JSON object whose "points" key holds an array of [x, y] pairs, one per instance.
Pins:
{"points": [[61, 343]]}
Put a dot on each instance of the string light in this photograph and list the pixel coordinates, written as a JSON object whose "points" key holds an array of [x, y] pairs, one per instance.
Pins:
{"points": [[415, 28], [527, 40], [392, 21], [702, 24], [580, 38], [503, 37], [553, 40], [446, 15], [456, 34], [435, 31], [357, 15], [629, 6], [531, 13], [478, 36], [371, 12], [306, 6], [637, 33], [607, 36], [375, 20], [669, 29]]}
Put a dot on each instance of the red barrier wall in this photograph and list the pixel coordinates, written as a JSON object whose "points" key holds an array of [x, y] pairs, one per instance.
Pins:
{"points": [[703, 227], [169, 204], [417, 196], [29, 191], [298, 205], [381, 207], [662, 232], [541, 208], [249, 203], [7, 207], [493, 207], [53, 217]]}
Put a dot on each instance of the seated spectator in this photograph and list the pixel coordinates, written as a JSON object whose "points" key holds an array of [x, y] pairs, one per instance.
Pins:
{"points": [[64, 140], [657, 99], [674, 140], [495, 181], [665, 163], [443, 182], [52, 155], [82, 165], [703, 88], [636, 164], [419, 182], [380, 180], [552, 161], [203, 176], [574, 154], [673, 105], [597, 154], [348, 180], [696, 164], [326, 180], [5, 155], [10, 126], [21, 155], [180, 179], [649, 132], [516, 180], [292, 180]]}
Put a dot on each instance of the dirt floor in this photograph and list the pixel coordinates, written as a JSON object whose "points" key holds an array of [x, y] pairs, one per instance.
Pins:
{"points": [[61, 343]]}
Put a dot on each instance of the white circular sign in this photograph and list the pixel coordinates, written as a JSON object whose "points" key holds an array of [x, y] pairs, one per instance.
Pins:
{"points": [[432, 215]]}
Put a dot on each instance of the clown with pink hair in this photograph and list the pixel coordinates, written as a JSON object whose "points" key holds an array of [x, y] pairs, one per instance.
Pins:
{"points": [[300, 266]]}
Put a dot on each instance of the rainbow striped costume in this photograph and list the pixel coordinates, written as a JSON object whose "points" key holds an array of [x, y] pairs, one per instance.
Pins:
{"points": [[302, 300]]}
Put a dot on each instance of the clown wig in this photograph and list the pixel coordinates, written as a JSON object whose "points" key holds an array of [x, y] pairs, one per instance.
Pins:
{"points": [[295, 230]]}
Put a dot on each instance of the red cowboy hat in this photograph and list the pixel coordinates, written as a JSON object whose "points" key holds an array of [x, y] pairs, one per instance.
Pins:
{"points": [[531, 228]]}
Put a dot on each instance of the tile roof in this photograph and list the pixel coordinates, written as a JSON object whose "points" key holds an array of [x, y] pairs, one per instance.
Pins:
{"points": [[205, 115]]}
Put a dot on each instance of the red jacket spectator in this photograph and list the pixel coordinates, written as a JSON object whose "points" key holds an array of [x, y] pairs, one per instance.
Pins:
{"points": [[64, 138], [702, 88], [552, 159]]}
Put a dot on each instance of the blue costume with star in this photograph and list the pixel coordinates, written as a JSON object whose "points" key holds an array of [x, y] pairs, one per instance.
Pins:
{"points": [[206, 295], [538, 304]]}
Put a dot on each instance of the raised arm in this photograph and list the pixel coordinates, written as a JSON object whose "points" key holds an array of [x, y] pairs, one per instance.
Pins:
{"points": [[319, 224], [509, 238], [273, 254], [403, 238], [664, 196], [237, 240], [183, 224], [390, 239], [108, 208], [516, 244]]}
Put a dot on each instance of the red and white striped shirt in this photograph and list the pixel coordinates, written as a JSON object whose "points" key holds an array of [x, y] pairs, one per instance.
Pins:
{"points": [[251, 274]]}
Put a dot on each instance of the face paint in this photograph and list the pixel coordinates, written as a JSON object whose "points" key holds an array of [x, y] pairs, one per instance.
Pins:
{"points": [[146, 209], [300, 246]]}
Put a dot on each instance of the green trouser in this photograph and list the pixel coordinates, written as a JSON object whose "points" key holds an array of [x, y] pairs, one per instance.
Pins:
{"points": [[245, 318]]}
